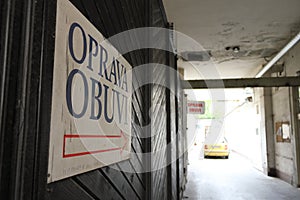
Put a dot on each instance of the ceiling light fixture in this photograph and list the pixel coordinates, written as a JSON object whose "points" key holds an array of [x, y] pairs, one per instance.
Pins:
{"points": [[236, 49]]}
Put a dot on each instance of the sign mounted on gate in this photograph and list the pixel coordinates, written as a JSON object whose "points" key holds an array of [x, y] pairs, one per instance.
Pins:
{"points": [[91, 100], [196, 107]]}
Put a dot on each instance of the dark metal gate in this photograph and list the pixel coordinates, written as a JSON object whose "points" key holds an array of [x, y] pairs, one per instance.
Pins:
{"points": [[27, 53]]}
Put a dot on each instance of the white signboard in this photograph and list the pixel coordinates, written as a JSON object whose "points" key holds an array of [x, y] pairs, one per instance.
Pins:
{"points": [[196, 107], [91, 102]]}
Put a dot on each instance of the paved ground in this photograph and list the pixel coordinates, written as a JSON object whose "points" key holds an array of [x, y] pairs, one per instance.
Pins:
{"points": [[234, 179]]}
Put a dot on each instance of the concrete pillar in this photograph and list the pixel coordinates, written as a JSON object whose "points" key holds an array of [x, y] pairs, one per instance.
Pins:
{"points": [[269, 131], [295, 110]]}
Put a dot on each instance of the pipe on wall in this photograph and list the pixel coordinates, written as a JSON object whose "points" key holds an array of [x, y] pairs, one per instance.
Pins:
{"points": [[283, 51]]}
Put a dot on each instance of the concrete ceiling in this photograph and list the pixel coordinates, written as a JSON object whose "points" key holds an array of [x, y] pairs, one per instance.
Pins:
{"points": [[260, 28]]}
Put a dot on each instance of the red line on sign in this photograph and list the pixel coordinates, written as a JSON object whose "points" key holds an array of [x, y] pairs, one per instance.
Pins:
{"points": [[90, 152], [66, 136], [91, 136], [64, 147]]}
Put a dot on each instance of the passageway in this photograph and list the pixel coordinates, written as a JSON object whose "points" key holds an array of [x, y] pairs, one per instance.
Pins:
{"points": [[233, 179], [95, 99]]}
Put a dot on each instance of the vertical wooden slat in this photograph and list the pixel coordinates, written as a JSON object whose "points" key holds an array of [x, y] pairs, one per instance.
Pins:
{"points": [[67, 189]]}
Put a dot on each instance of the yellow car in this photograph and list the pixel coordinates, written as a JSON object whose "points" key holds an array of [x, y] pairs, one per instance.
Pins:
{"points": [[219, 149]]}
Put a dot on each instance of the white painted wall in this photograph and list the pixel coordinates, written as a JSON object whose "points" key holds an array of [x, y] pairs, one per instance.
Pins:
{"points": [[240, 128], [260, 126]]}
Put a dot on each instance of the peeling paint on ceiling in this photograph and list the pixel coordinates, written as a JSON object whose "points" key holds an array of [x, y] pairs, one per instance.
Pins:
{"points": [[260, 28]]}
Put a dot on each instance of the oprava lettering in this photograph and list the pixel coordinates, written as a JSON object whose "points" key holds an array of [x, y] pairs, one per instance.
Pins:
{"points": [[98, 97]]}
